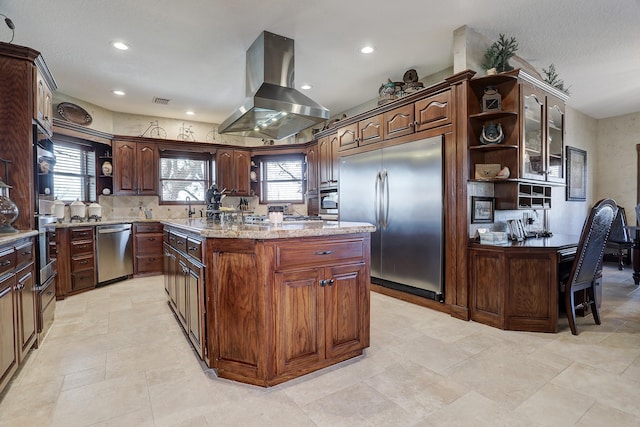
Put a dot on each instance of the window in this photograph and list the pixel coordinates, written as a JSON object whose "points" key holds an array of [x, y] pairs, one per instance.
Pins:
{"points": [[281, 179], [184, 175], [74, 175]]}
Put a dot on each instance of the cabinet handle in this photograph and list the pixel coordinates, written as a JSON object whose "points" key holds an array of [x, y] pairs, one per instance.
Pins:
{"points": [[331, 282], [83, 262], [193, 248], [324, 252], [5, 263], [151, 239], [323, 283], [26, 253], [415, 123]]}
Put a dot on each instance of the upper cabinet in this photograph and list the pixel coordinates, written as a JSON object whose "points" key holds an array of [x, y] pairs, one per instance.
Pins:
{"points": [[516, 137], [25, 78], [427, 113], [312, 169], [328, 166], [43, 99], [234, 171], [135, 168]]}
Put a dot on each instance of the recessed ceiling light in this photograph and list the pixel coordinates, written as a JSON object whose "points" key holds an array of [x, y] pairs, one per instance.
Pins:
{"points": [[118, 92], [120, 45], [190, 113], [366, 49], [305, 87]]}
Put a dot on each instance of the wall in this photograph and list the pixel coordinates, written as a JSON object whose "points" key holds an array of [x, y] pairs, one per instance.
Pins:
{"points": [[116, 123], [617, 161]]}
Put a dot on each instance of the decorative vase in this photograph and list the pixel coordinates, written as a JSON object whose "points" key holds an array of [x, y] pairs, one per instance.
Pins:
{"points": [[8, 210], [107, 168]]}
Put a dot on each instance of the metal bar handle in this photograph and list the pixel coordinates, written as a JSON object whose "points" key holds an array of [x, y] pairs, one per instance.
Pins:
{"points": [[376, 202], [324, 252]]}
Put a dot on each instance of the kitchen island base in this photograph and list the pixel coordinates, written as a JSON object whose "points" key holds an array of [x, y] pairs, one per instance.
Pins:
{"points": [[276, 309]]}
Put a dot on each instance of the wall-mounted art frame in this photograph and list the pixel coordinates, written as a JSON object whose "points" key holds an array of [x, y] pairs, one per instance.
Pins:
{"points": [[576, 174], [482, 209]]}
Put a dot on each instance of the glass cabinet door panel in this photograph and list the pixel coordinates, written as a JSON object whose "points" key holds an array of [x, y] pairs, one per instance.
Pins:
{"points": [[533, 156], [555, 137]]}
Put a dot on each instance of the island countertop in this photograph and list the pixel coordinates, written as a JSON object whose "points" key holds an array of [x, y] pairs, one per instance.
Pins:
{"points": [[287, 229]]}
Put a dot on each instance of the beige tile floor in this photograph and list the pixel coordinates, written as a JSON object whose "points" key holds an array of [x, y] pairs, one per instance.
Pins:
{"points": [[115, 356]]}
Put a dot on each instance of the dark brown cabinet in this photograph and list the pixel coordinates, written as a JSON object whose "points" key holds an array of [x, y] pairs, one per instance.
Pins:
{"points": [[135, 168], [310, 311], [532, 123], [328, 166], [233, 170], [427, 113], [367, 131], [25, 79], [76, 260], [147, 248], [184, 284], [320, 315], [18, 318]]}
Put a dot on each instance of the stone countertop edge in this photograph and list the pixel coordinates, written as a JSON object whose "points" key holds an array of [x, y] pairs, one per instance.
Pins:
{"points": [[262, 231], [12, 237], [104, 222]]}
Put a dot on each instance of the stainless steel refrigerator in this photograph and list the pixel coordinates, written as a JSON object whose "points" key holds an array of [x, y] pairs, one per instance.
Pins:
{"points": [[400, 190]]}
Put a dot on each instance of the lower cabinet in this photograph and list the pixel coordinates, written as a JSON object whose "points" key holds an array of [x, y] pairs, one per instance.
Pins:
{"points": [[281, 308], [147, 248], [184, 284], [76, 260], [514, 288], [18, 318], [320, 315]]}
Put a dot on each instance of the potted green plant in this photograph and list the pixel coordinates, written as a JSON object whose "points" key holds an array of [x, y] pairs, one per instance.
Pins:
{"points": [[551, 77], [496, 58]]}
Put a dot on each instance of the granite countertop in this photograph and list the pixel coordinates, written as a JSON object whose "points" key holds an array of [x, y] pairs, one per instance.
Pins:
{"points": [[287, 229], [12, 237], [68, 224]]}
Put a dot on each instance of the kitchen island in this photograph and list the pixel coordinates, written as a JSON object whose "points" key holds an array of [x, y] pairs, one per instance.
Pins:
{"points": [[263, 303]]}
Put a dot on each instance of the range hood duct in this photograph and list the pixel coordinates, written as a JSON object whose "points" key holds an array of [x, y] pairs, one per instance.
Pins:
{"points": [[273, 108]]}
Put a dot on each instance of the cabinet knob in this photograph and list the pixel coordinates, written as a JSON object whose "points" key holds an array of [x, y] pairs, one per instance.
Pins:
{"points": [[324, 252], [412, 124], [323, 283], [331, 282]]}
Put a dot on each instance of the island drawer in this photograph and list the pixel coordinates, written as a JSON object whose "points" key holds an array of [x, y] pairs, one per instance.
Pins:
{"points": [[82, 280], [194, 249], [180, 242], [320, 252]]}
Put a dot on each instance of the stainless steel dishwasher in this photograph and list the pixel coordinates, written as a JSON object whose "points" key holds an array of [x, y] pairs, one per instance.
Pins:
{"points": [[114, 252]]}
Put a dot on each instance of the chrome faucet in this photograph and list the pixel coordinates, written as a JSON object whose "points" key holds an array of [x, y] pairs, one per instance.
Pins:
{"points": [[190, 211]]}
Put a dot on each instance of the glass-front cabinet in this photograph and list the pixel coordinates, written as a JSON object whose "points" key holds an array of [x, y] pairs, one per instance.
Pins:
{"points": [[555, 139], [542, 135]]}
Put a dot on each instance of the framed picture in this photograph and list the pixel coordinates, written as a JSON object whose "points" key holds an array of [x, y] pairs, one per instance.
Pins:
{"points": [[482, 209], [576, 174]]}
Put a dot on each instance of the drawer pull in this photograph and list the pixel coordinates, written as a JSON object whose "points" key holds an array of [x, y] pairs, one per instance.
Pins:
{"points": [[5, 263], [324, 252], [330, 282], [83, 262], [151, 239], [323, 283], [193, 248]]}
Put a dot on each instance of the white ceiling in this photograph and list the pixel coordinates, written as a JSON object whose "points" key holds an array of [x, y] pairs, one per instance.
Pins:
{"points": [[193, 52]]}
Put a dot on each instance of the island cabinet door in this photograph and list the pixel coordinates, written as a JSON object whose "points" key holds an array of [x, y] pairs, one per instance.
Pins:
{"points": [[195, 291], [346, 302], [299, 329], [182, 290]]}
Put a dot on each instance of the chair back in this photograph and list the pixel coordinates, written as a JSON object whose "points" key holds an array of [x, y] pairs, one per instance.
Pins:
{"points": [[592, 242], [638, 214], [619, 232]]}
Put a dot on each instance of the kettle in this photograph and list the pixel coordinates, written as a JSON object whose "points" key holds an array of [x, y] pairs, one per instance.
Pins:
{"points": [[58, 209], [95, 211], [77, 210]]}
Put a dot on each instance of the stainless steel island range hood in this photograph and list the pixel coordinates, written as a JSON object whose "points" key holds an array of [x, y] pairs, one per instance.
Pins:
{"points": [[274, 108]]}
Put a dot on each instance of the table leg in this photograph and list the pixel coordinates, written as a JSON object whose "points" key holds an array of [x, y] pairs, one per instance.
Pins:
{"points": [[635, 253]]}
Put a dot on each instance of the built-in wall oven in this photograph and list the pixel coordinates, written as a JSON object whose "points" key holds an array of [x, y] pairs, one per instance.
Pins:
{"points": [[47, 273], [329, 202]]}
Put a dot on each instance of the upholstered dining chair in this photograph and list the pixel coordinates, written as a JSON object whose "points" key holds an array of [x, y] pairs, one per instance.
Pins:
{"points": [[619, 239], [593, 240]]}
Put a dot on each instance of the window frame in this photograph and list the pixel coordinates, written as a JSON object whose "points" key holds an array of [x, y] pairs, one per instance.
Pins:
{"points": [[210, 171], [263, 183], [86, 148]]}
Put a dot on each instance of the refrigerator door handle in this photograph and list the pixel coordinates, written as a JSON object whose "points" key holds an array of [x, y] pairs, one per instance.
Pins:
{"points": [[376, 202], [385, 199]]}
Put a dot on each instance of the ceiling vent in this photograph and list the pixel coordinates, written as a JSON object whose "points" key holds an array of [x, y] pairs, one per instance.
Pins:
{"points": [[163, 101]]}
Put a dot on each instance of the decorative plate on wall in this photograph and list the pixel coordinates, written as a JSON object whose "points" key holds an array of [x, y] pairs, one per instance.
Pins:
{"points": [[74, 113]]}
